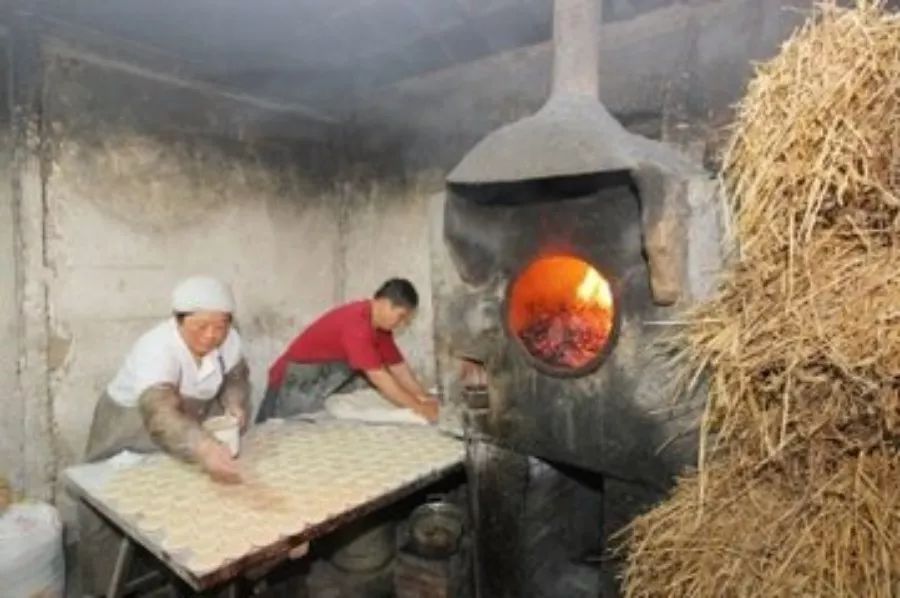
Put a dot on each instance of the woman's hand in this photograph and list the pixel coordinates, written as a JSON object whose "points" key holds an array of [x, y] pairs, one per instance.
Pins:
{"points": [[215, 458]]}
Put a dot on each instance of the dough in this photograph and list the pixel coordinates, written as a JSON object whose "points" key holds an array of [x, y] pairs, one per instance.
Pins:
{"points": [[368, 405]]}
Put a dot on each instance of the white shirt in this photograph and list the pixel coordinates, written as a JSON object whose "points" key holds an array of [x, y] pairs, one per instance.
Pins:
{"points": [[161, 356]]}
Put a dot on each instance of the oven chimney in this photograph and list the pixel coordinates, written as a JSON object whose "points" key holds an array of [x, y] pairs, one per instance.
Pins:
{"points": [[573, 133], [576, 56]]}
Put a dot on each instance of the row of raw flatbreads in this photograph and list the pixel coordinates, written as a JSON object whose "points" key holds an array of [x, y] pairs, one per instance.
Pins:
{"points": [[296, 476]]}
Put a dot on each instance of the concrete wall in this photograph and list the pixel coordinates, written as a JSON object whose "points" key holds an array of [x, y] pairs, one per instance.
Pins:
{"points": [[134, 204], [144, 184], [11, 437], [385, 232], [137, 185]]}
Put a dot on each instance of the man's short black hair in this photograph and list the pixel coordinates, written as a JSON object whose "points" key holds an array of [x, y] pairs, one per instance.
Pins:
{"points": [[400, 292]]}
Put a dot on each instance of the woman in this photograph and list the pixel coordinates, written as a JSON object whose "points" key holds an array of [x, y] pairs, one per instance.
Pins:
{"points": [[184, 370]]}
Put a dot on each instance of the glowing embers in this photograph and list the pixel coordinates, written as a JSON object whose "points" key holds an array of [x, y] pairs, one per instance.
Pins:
{"points": [[562, 310]]}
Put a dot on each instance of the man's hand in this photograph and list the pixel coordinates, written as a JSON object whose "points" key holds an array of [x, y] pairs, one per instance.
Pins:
{"points": [[428, 407], [419, 402], [215, 458]]}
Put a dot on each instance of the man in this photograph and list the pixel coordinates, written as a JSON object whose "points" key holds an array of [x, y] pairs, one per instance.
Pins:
{"points": [[356, 337], [183, 370]]}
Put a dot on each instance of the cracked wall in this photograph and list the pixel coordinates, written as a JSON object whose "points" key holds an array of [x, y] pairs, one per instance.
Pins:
{"points": [[136, 200], [11, 436]]}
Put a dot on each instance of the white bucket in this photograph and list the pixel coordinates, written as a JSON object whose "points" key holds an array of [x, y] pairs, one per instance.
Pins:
{"points": [[226, 430]]}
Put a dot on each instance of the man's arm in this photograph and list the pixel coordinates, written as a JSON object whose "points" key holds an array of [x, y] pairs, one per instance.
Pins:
{"points": [[428, 405], [390, 388], [407, 379], [181, 436]]}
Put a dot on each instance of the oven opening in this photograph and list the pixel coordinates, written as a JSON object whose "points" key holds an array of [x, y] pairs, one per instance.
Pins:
{"points": [[561, 311]]}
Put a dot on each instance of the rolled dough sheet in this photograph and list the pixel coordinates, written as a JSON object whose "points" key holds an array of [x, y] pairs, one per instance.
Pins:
{"points": [[367, 405]]}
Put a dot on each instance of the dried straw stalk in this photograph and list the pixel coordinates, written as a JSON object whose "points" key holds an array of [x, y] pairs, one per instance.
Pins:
{"points": [[797, 492]]}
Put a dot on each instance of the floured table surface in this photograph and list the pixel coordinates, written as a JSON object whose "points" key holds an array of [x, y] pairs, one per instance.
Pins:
{"points": [[298, 478]]}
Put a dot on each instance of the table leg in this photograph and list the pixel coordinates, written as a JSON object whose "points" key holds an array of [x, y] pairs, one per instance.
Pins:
{"points": [[123, 562]]}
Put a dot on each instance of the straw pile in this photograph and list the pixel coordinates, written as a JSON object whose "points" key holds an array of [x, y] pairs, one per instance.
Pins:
{"points": [[798, 489]]}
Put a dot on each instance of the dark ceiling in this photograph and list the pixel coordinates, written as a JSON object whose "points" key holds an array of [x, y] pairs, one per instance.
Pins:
{"points": [[314, 52]]}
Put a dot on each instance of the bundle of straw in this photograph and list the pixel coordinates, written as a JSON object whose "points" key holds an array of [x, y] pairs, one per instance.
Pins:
{"points": [[798, 493]]}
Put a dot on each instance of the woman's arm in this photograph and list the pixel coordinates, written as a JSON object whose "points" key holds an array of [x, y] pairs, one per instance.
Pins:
{"points": [[181, 436], [168, 425]]}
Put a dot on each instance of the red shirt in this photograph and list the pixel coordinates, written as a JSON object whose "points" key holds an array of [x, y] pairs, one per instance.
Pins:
{"points": [[343, 334]]}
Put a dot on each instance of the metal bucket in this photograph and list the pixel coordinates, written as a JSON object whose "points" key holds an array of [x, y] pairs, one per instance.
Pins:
{"points": [[435, 529], [364, 548]]}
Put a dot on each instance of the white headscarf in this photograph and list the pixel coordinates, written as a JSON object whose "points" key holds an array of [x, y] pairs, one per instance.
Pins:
{"points": [[202, 293]]}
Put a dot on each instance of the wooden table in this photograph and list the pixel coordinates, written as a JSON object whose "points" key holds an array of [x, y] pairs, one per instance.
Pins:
{"points": [[88, 481]]}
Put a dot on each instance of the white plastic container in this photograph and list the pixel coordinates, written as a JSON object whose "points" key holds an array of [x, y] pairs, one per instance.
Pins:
{"points": [[31, 552], [225, 428]]}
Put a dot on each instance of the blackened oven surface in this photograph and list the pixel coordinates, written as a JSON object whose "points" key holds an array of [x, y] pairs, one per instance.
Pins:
{"points": [[590, 420]]}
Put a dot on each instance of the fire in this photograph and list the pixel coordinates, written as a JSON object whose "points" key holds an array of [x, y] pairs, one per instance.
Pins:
{"points": [[594, 289], [561, 308]]}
